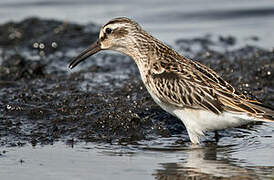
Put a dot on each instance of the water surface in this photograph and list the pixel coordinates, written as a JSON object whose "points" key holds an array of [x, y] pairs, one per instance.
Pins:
{"points": [[164, 19]]}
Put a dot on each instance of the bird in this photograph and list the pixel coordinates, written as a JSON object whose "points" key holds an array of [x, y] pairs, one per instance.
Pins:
{"points": [[185, 88]]}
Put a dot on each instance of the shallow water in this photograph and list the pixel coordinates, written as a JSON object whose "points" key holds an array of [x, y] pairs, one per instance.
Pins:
{"points": [[166, 20], [159, 159], [49, 111]]}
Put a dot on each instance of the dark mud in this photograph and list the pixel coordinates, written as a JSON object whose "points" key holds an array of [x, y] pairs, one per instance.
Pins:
{"points": [[42, 101]]}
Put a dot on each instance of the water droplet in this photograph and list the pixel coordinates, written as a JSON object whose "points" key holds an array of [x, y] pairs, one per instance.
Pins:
{"points": [[35, 45], [207, 54], [41, 46], [54, 45], [42, 53], [9, 107]]}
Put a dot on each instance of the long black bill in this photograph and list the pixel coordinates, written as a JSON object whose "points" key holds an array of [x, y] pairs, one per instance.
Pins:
{"points": [[92, 49]]}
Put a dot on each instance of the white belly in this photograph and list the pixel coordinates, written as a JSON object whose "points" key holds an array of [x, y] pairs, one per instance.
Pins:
{"points": [[199, 121]]}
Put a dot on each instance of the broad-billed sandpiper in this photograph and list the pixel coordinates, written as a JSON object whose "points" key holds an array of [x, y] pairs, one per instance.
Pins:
{"points": [[186, 89]]}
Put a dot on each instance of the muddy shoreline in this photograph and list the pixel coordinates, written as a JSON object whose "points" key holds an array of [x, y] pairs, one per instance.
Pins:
{"points": [[104, 100]]}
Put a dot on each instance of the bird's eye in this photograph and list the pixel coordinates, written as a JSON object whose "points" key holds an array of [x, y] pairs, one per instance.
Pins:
{"points": [[108, 30]]}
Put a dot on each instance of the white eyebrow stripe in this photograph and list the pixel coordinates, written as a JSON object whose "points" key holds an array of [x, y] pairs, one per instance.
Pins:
{"points": [[113, 26]]}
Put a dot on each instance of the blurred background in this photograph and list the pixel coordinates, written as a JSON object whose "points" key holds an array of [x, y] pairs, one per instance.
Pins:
{"points": [[167, 20]]}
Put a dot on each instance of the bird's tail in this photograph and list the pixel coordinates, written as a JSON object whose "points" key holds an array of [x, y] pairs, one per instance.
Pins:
{"points": [[254, 109], [263, 112]]}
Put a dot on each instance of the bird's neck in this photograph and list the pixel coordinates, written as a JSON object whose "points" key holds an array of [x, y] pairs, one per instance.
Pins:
{"points": [[144, 50], [147, 52]]}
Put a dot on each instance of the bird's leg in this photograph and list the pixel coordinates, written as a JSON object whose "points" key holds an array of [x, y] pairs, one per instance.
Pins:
{"points": [[216, 136]]}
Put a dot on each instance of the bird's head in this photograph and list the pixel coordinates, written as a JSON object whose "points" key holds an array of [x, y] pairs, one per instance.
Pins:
{"points": [[118, 34]]}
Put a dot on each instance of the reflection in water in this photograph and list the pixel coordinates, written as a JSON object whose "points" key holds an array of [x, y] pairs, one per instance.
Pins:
{"points": [[208, 163], [105, 161]]}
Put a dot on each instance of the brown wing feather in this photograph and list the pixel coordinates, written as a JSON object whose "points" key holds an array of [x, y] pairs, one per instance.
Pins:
{"points": [[172, 89], [194, 85]]}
